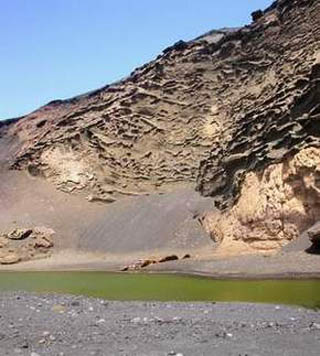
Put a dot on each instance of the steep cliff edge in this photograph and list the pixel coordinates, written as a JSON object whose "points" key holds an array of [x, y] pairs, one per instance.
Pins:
{"points": [[234, 113], [265, 174]]}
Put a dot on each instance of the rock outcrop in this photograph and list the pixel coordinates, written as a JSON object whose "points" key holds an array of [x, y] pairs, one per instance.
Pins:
{"points": [[273, 95], [314, 235], [143, 263], [23, 244], [275, 206], [234, 112]]}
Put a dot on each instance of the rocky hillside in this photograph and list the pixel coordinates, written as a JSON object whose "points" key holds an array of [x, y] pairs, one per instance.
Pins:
{"points": [[234, 113]]}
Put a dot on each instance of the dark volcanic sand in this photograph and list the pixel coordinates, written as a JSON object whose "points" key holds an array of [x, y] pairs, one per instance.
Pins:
{"points": [[54, 325]]}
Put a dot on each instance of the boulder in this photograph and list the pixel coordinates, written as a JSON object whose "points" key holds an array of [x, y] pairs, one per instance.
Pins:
{"points": [[43, 241], [256, 15], [168, 258], [186, 256], [22, 244], [3, 241], [314, 234], [10, 259], [19, 234], [142, 263], [43, 238]]}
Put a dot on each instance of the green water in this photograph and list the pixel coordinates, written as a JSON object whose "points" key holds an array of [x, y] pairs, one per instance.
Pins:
{"points": [[115, 286]]}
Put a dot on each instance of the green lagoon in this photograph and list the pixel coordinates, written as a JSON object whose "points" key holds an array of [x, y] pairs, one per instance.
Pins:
{"points": [[159, 287]]}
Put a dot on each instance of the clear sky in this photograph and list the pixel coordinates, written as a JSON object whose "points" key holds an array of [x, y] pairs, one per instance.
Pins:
{"points": [[55, 49]]}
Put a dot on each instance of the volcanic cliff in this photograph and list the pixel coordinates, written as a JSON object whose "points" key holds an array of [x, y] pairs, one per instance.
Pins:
{"points": [[234, 114]]}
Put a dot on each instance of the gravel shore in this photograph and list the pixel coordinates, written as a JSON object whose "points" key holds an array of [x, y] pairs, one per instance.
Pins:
{"points": [[57, 325]]}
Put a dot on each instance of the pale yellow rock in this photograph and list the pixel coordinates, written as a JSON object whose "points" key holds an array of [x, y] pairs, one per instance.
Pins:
{"points": [[3, 241], [274, 208], [10, 259]]}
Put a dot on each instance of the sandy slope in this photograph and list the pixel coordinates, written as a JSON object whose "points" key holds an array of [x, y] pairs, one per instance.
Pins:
{"points": [[102, 236], [137, 226]]}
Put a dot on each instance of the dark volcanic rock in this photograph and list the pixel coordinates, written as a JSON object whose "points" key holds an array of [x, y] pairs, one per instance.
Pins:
{"points": [[314, 235], [169, 258], [256, 15], [19, 234]]}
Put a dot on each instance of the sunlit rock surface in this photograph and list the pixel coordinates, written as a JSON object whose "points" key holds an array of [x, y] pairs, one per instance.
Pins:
{"points": [[234, 114]]}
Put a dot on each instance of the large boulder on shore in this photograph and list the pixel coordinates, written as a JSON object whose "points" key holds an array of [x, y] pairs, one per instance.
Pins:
{"points": [[22, 244], [314, 234]]}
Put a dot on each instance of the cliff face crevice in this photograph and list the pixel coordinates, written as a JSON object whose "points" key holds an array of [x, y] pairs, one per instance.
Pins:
{"points": [[235, 113]]}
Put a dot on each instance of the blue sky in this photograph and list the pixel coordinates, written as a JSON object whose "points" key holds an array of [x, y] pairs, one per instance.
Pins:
{"points": [[55, 49]]}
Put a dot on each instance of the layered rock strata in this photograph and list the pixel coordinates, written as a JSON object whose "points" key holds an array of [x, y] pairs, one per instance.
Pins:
{"points": [[234, 112]]}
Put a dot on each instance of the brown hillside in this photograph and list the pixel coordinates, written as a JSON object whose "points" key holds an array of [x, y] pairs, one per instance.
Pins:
{"points": [[234, 114]]}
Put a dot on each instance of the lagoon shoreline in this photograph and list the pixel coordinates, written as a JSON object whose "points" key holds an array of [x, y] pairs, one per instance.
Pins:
{"points": [[284, 265], [64, 325]]}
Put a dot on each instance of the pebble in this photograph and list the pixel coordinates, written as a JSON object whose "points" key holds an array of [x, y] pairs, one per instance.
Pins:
{"points": [[136, 320], [100, 321], [315, 326], [25, 345]]}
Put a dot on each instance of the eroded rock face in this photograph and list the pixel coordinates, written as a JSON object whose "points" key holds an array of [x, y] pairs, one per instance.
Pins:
{"points": [[275, 111], [264, 177], [275, 206], [234, 112], [150, 131], [23, 244]]}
